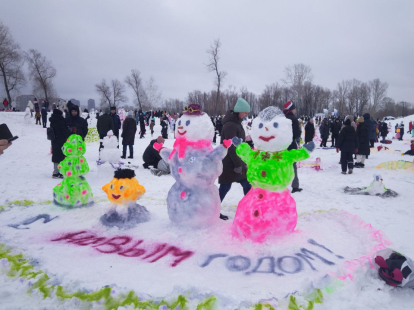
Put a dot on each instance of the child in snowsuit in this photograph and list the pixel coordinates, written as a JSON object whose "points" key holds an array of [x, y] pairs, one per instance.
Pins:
{"points": [[37, 116], [411, 151], [348, 144]]}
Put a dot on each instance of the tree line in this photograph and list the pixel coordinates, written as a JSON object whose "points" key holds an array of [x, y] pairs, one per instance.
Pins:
{"points": [[349, 97]]}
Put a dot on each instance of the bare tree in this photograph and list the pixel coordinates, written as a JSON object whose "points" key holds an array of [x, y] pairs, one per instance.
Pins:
{"points": [[295, 77], [153, 94], [41, 72], [135, 82], [378, 92], [213, 66], [111, 95], [11, 62]]}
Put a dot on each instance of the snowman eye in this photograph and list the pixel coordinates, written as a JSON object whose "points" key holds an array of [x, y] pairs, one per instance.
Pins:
{"points": [[261, 125], [275, 124], [112, 187], [179, 123], [121, 187], [187, 123]]}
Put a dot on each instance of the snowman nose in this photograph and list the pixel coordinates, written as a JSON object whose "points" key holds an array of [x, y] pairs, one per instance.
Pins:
{"points": [[180, 127], [266, 129]]}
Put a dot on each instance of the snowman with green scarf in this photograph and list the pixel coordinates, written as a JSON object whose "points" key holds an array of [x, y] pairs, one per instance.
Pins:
{"points": [[268, 208]]}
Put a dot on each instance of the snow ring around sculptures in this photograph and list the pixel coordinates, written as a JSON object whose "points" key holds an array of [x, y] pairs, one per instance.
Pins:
{"points": [[159, 261]]}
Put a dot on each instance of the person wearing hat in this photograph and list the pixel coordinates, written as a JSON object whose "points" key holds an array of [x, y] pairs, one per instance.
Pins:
{"points": [[105, 124], [76, 124], [401, 131], [152, 157], [289, 109], [129, 129], [335, 128], [234, 169], [117, 122], [363, 141], [61, 133]]}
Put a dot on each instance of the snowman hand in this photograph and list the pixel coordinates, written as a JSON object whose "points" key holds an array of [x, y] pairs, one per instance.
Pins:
{"points": [[158, 146], [236, 141], [310, 146]]}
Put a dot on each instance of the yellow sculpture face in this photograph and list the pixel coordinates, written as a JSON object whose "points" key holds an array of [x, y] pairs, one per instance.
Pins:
{"points": [[122, 191]]}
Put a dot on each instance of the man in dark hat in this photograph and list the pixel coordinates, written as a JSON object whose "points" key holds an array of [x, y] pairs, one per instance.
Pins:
{"points": [[105, 124], [290, 110], [117, 122], [75, 123]]}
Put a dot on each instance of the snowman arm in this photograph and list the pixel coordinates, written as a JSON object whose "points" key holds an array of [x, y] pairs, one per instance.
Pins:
{"points": [[243, 151], [165, 153], [296, 155], [218, 153]]}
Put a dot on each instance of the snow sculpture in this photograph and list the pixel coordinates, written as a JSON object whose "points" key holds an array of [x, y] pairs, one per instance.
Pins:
{"points": [[74, 190], [376, 188], [397, 164], [194, 200], [268, 208], [110, 152], [122, 192], [92, 135], [27, 116]]}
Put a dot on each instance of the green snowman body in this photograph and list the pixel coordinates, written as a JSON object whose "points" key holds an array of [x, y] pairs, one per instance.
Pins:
{"points": [[74, 190]]}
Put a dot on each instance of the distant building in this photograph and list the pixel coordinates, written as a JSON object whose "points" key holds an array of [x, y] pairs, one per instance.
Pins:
{"points": [[22, 101], [74, 101], [91, 104]]}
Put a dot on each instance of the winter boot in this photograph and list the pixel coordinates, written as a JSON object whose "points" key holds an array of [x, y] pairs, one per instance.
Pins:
{"points": [[55, 175], [349, 171], [123, 155], [296, 190], [223, 217], [145, 165], [343, 172], [131, 155]]}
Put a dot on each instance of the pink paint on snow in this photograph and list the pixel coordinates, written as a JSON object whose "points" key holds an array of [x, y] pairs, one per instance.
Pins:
{"points": [[263, 213]]}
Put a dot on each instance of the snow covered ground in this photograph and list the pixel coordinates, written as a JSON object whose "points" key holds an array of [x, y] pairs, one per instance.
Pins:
{"points": [[25, 173]]}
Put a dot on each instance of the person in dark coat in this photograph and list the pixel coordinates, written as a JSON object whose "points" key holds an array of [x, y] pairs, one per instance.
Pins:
{"points": [[348, 144], [75, 123], [324, 131], [69, 105], [219, 125], [36, 104], [335, 128], [309, 131], [105, 124], [117, 122], [401, 131], [129, 129], [234, 169], [152, 157], [372, 129], [57, 123], [289, 109], [44, 116], [164, 127], [363, 141], [384, 131], [141, 125]]}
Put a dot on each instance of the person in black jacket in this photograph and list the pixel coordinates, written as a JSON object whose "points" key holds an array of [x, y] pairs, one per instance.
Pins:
{"points": [[141, 125], [152, 157], [75, 123], [309, 131], [363, 141], [335, 128], [348, 144], [105, 124], [117, 122], [43, 111], [164, 127], [57, 123], [384, 131], [324, 131], [129, 129], [234, 169], [289, 109]]}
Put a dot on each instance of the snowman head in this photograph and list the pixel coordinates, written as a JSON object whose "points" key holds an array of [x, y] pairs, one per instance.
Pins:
{"points": [[271, 130], [194, 125]]}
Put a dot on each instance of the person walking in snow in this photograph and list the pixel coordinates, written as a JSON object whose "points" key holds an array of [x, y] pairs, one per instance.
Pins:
{"points": [[61, 133], [401, 131], [129, 129], [309, 131], [348, 144], [234, 169], [44, 116], [37, 116], [117, 122], [383, 131], [335, 128], [324, 131], [164, 127], [104, 124], [152, 124], [142, 125], [363, 140]]}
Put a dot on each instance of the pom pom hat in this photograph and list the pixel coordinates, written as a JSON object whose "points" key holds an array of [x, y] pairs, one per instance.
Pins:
{"points": [[288, 106], [241, 106]]}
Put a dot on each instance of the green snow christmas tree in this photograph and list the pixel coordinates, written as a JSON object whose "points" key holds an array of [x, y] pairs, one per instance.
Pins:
{"points": [[74, 190]]}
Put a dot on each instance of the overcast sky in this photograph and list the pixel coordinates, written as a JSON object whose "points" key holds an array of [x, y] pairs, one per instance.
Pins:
{"points": [[88, 40]]}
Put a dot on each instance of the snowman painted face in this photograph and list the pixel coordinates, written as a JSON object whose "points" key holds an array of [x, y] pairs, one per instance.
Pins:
{"points": [[271, 130], [194, 127]]}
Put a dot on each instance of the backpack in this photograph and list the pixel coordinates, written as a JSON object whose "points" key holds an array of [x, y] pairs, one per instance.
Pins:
{"points": [[50, 134], [395, 269]]}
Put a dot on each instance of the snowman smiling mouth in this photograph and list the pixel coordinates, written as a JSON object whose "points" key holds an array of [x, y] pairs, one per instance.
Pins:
{"points": [[267, 139], [116, 196], [181, 133]]}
